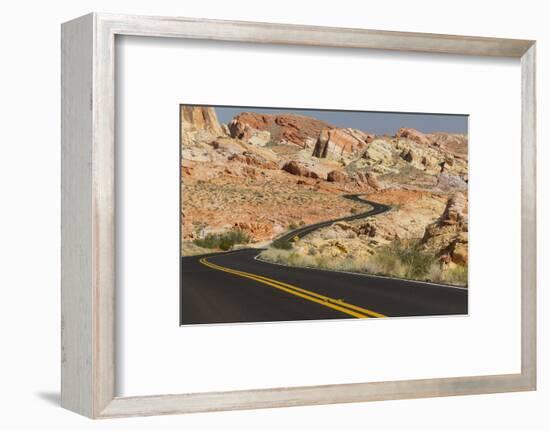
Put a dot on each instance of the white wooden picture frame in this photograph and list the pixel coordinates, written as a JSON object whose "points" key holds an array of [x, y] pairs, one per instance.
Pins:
{"points": [[88, 215]]}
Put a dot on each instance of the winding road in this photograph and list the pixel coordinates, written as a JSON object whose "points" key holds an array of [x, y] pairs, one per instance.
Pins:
{"points": [[235, 286]]}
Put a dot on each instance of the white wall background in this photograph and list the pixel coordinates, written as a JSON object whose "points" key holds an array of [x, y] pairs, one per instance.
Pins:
{"points": [[29, 217]]}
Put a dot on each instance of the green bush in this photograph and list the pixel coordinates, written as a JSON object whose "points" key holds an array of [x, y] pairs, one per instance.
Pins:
{"points": [[416, 262], [226, 244], [223, 241], [403, 259], [457, 275], [282, 244], [209, 241]]}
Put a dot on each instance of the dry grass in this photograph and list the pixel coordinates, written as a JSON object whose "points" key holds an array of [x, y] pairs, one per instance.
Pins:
{"points": [[293, 258], [395, 260], [457, 275], [188, 248], [403, 259]]}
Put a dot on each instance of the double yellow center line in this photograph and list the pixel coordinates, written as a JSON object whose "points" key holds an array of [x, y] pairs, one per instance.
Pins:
{"points": [[335, 304]]}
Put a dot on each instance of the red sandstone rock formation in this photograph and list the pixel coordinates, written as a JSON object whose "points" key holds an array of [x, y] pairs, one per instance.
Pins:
{"points": [[296, 168], [413, 135], [368, 179], [194, 118], [337, 177], [292, 129], [336, 143], [253, 160]]}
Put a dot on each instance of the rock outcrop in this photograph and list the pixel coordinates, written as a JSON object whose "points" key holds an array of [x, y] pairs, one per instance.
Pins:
{"points": [[284, 129], [226, 146], [341, 143], [380, 152], [298, 169], [405, 161], [453, 143], [199, 126], [195, 118], [256, 230], [245, 132], [337, 177], [448, 236], [413, 135], [367, 179], [252, 159]]}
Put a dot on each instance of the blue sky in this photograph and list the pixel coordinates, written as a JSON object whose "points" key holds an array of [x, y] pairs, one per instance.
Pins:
{"points": [[368, 121]]}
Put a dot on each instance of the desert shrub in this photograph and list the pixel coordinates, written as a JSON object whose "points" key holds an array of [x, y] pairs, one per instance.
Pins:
{"points": [[274, 255], [224, 241], [350, 263], [285, 257], [347, 263], [322, 262], [295, 259], [435, 273], [288, 257], [189, 248], [386, 262], [237, 236], [311, 258], [199, 227], [209, 241], [282, 244], [292, 226], [457, 275], [402, 259], [415, 260]]}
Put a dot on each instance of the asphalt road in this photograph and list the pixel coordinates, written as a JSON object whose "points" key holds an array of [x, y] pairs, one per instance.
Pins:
{"points": [[235, 287], [376, 209]]}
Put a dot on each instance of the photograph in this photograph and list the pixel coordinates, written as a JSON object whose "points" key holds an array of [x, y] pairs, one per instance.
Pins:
{"points": [[301, 214]]}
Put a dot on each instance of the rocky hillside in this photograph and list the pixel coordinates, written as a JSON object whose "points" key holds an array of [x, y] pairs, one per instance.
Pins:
{"points": [[241, 183], [266, 174], [281, 129]]}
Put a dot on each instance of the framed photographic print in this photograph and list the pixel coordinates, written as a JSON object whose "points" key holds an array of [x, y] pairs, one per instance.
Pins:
{"points": [[266, 215]]}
